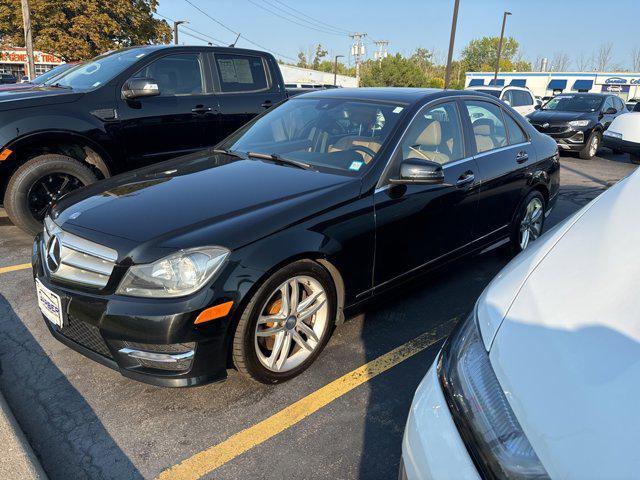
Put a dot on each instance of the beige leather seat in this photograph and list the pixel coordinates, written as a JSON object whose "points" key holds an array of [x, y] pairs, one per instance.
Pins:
{"points": [[350, 141], [429, 144], [484, 136]]}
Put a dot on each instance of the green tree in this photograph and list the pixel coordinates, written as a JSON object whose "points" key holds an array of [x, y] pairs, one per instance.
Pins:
{"points": [[392, 71], [319, 55], [302, 60], [81, 29], [480, 54]]}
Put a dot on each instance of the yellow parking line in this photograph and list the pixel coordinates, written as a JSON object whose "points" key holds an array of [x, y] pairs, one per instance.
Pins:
{"points": [[213, 457], [13, 268]]}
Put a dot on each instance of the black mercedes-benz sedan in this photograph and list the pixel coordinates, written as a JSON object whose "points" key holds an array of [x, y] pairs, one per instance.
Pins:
{"points": [[250, 253]]}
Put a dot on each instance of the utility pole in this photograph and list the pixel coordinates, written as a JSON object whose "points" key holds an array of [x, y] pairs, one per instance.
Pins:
{"points": [[175, 30], [504, 22], [382, 50], [28, 40], [452, 41], [335, 69], [358, 51]]}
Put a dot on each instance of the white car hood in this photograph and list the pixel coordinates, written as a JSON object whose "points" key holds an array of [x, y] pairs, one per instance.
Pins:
{"points": [[567, 354]]}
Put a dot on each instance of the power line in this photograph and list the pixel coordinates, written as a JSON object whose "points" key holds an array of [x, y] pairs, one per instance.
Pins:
{"points": [[221, 42], [308, 20], [294, 21], [238, 33], [311, 18]]}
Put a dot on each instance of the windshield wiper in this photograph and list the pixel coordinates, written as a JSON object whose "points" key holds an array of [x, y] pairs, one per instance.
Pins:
{"points": [[279, 159], [233, 153]]}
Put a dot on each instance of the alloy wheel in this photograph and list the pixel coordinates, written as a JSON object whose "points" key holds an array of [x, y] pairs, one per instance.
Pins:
{"points": [[291, 324], [46, 190], [531, 225], [593, 146]]}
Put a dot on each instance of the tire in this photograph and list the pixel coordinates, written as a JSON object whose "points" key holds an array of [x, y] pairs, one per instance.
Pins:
{"points": [[516, 238], [588, 152], [31, 175], [634, 158], [249, 351]]}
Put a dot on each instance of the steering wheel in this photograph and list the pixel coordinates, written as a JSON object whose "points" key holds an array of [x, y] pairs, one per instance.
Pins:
{"points": [[363, 149]]}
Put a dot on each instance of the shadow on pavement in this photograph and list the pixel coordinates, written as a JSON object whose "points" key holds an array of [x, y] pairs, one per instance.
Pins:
{"points": [[415, 308], [64, 431]]}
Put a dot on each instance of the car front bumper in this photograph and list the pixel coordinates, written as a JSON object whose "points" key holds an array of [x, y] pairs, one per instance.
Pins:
{"points": [[432, 447], [113, 330]]}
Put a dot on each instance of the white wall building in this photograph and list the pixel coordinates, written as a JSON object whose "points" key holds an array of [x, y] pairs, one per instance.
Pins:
{"points": [[543, 84], [306, 76]]}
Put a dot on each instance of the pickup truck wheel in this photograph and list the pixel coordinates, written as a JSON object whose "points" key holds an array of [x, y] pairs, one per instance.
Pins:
{"points": [[591, 147], [40, 182]]}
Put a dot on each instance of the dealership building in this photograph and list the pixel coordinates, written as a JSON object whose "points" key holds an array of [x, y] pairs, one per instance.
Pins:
{"points": [[545, 84], [15, 61]]}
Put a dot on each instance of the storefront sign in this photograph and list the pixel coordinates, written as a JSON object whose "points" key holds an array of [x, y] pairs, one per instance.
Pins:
{"points": [[17, 56], [616, 88], [614, 80]]}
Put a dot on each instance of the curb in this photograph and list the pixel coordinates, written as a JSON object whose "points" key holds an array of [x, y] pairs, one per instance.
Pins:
{"points": [[17, 459]]}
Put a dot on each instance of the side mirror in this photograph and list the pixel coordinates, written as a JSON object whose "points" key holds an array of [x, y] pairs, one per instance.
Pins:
{"points": [[140, 87], [610, 111], [537, 106], [418, 171]]}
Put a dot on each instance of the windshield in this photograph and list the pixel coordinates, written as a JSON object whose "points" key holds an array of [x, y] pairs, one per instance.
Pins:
{"points": [[54, 72], [574, 103], [100, 70], [495, 93], [345, 135]]}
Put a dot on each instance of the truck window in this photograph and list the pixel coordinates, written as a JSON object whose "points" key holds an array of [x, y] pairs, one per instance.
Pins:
{"points": [[179, 74], [241, 73]]}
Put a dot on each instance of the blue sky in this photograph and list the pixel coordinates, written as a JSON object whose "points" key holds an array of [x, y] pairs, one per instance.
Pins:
{"points": [[543, 27]]}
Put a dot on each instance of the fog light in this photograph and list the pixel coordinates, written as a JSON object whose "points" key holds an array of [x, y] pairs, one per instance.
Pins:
{"points": [[175, 357], [577, 138]]}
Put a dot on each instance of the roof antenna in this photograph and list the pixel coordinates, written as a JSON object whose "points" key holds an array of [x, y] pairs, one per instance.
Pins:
{"points": [[235, 41]]}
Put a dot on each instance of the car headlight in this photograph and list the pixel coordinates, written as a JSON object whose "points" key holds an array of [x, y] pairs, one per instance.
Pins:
{"points": [[579, 123], [177, 275], [481, 410]]}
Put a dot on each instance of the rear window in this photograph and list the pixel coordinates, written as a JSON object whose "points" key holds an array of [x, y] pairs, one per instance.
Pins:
{"points": [[495, 93], [241, 73]]}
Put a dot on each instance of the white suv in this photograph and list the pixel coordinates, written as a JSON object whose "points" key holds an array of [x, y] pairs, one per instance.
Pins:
{"points": [[520, 98]]}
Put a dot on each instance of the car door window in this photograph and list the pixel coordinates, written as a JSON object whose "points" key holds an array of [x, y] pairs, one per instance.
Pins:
{"points": [[241, 73], [179, 74], [508, 97], [488, 127], [608, 103], [435, 134], [524, 99], [516, 134], [619, 104]]}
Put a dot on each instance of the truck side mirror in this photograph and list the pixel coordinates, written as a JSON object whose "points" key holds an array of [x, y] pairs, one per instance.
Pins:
{"points": [[140, 87]]}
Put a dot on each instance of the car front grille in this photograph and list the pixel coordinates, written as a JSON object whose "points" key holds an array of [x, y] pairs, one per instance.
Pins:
{"points": [[86, 335], [552, 129], [77, 260]]}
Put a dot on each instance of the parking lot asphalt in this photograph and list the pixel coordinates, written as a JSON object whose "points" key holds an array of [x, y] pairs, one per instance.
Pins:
{"points": [[338, 420]]}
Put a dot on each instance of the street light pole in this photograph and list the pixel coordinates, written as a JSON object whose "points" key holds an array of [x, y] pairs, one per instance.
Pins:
{"points": [[452, 41], [335, 69], [175, 30], [28, 39], [504, 22]]}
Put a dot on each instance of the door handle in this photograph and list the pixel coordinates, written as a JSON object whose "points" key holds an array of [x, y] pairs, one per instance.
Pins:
{"points": [[200, 109], [267, 104], [465, 179], [522, 157]]}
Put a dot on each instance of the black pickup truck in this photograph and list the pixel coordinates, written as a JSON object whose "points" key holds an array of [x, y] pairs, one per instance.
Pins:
{"points": [[123, 110]]}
